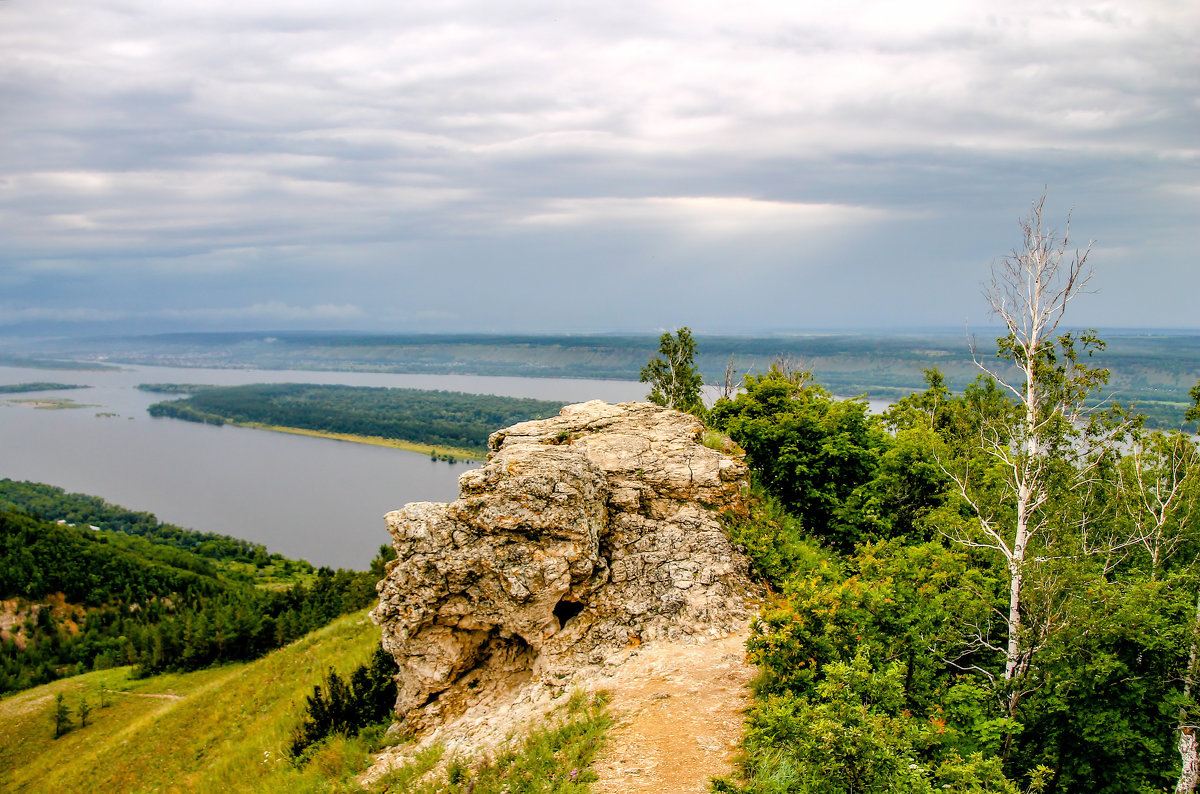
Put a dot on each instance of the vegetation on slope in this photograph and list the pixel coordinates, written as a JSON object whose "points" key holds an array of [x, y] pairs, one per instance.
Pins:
{"points": [[885, 652], [78, 599], [222, 729], [55, 504], [552, 759], [229, 729]]}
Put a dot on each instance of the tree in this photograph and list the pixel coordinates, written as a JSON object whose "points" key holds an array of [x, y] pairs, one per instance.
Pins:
{"points": [[672, 375], [807, 449], [62, 716], [1038, 452], [1188, 742]]}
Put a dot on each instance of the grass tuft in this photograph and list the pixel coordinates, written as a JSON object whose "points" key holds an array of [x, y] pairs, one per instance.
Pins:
{"points": [[552, 760]]}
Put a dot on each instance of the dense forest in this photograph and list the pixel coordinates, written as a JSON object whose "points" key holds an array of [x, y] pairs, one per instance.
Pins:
{"points": [[995, 590], [438, 418], [77, 599], [54, 504], [912, 646]]}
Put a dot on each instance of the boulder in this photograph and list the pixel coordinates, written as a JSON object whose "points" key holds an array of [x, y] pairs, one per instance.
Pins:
{"points": [[583, 535]]}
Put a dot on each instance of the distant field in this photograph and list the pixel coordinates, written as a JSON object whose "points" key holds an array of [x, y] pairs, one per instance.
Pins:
{"points": [[50, 403], [43, 363]]}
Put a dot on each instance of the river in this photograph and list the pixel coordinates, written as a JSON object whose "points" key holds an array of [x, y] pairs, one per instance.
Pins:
{"points": [[311, 498]]}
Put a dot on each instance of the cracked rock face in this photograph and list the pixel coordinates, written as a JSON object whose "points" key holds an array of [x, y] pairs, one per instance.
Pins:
{"points": [[582, 535]]}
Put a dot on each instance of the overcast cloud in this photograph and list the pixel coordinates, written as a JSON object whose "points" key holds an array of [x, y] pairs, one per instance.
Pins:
{"points": [[586, 166]]}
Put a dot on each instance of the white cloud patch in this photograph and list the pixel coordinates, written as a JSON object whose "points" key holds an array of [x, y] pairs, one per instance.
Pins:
{"points": [[704, 215]]}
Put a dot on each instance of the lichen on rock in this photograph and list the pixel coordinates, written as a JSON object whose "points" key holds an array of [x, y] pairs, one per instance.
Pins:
{"points": [[582, 535]]}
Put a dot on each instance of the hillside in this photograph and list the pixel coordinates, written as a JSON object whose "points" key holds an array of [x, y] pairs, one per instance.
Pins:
{"points": [[228, 729], [78, 596], [222, 729]]}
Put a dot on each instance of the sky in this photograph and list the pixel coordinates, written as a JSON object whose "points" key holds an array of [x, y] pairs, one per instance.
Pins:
{"points": [[580, 167]]}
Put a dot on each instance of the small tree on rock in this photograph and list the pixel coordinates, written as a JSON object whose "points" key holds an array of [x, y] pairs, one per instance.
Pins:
{"points": [[672, 374]]}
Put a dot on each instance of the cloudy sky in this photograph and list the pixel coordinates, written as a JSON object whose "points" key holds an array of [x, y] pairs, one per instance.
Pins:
{"points": [[587, 166]]}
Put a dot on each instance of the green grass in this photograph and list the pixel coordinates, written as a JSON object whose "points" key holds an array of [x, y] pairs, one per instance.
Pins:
{"points": [[219, 730], [551, 760], [227, 729]]}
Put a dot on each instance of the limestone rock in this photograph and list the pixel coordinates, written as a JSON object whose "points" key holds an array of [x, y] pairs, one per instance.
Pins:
{"points": [[582, 535]]}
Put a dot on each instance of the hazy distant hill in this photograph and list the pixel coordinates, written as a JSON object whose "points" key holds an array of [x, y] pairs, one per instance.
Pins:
{"points": [[1154, 368]]}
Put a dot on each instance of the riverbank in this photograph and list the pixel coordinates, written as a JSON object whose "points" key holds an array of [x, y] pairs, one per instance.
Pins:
{"points": [[446, 453]]}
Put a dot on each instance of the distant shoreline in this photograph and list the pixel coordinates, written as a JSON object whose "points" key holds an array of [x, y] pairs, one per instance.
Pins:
{"points": [[456, 453]]}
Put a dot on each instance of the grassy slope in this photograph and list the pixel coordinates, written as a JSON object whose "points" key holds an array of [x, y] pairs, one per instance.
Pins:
{"points": [[225, 730]]}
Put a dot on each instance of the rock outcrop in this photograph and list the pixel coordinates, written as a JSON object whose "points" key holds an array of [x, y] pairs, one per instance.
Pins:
{"points": [[583, 535]]}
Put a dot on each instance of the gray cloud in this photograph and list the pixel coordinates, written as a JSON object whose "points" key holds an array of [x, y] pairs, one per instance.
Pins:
{"points": [[541, 167]]}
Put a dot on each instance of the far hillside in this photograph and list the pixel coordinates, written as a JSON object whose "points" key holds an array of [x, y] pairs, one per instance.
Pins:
{"points": [[1153, 369], [101, 586]]}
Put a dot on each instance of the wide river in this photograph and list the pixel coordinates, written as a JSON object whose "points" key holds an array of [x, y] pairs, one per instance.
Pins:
{"points": [[312, 498]]}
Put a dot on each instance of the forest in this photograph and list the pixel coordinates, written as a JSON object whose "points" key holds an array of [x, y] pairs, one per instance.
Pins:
{"points": [[990, 590], [55, 504], [147, 594], [920, 637], [437, 418]]}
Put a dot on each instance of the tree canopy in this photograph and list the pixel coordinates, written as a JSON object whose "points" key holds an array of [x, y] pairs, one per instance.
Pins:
{"points": [[674, 380]]}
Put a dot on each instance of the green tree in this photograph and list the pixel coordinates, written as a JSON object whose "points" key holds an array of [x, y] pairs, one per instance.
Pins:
{"points": [[810, 451], [62, 715], [674, 380]]}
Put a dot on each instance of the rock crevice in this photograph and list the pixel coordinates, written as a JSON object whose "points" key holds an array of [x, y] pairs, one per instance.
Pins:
{"points": [[582, 535]]}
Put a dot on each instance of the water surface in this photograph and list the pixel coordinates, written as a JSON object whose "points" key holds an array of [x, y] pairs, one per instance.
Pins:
{"points": [[314, 498]]}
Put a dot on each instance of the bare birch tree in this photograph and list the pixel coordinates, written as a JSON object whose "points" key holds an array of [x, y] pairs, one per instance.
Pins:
{"points": [[1030, 291]]}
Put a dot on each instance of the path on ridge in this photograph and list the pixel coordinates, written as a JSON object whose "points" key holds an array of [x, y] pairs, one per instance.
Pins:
{"points": [[678, 717]]}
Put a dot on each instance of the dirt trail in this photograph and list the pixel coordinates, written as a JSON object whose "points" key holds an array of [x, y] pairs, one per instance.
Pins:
{"points": [[165, 696], [679, 717]]}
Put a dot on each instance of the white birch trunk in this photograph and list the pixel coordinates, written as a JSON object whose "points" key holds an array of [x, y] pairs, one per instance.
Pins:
{"points": [[1189, 748]]}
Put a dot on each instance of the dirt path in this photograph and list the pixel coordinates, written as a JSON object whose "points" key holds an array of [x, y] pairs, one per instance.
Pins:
{"points": [[678, 714], [679, 718], [145, 694]]}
